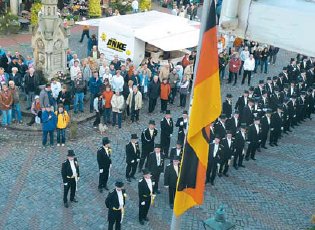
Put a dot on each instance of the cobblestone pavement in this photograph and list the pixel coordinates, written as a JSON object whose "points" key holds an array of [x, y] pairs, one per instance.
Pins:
{"points": [[275, 192]]}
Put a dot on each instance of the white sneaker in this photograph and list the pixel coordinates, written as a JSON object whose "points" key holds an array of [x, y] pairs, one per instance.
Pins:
{"points": [[58, 145], [63, 145]]}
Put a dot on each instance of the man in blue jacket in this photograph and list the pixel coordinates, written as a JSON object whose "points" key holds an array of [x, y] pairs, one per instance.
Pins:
{"points": [[49, 121], [94, 86]]}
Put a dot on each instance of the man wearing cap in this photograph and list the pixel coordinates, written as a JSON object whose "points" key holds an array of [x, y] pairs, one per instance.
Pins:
{"points": [[227, 153], [242, 102], [240, 143], [104, 163], [49, 123], [166, 132], [155, 164], [182, 126], [115, 202], [170, 179], [214, 157], [259, 89], [265, 127], [276, 126], [176, 151], [253, 139], [70, 176], [233, 123], [145, 189], [227, 106], [132, 157], [147, 139]]}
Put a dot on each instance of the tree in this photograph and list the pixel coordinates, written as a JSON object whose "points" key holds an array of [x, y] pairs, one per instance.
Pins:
{"points": [[95, 8]]}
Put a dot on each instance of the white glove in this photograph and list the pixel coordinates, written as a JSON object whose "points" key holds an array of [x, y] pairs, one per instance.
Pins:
{"points": [[166, 186], [138, 160], [171, 135], [281, 128], [272, 129], [181, 123], [101, 170], [142, 203], [65, 184], [153, 183], [132, 161]]}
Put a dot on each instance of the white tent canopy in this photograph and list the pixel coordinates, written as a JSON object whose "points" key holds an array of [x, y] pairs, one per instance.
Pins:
{"points": [[165, 31]]}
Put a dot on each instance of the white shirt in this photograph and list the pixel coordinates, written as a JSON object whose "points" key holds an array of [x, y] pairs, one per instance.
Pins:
{"points": [[229, 142], [73, 168], [158, 159], [243, 135], [151, 132], [257, 128], [249, 64], [245, 99], [176, 169], [268, 119], [236, 121], [149, 183], [216, 147], [134, 146], [120, 198]]}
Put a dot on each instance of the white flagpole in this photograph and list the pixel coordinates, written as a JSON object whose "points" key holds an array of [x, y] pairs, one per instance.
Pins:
{"points": [[176, 221]]}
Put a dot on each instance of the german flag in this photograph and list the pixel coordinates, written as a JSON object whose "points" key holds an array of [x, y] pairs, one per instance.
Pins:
{"points": [[205, 108]]}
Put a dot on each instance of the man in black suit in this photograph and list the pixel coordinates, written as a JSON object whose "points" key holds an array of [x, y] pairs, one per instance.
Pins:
{"points": [[145, 189], [176, 151], [253, 139], [247, 115], [259, 89], [240, 143], [276, 126], [264, 101], [276, 98], [215, 151], [182, 126], [70, 176], [265, 128], [269, 86], [104, 163], [147, 139], [170, 179], [292, 111], [166, 132], [233, 123], [227, 106], [242, 102], [227, 153], [115, 202], [220, 126], [310, 101], [156, 166], [132, 157]]}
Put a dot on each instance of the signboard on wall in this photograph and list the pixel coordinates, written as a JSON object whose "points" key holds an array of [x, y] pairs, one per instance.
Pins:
{"points": [[115, 40]]}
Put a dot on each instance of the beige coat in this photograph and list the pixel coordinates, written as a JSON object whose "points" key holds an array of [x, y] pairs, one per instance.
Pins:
{"points": [[138, 100], [117, 103]]}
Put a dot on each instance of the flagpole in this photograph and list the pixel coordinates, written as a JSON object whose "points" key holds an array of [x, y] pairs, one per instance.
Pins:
{"points": [[176, 221]]}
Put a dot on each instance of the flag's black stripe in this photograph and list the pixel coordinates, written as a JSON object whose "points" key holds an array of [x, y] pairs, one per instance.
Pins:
{"points": [[189, 166], [211, 17]]}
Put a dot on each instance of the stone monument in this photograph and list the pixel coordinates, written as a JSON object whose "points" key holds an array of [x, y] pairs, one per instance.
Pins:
{"points": [[50, 40]]}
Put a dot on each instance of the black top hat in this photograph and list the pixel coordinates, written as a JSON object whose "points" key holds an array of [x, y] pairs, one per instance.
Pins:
{"points": [[105, 140], [293, 96], [303, 92], [176, 158], [261, 82], [157, 146], [168, 111], [229, 95], [280, 107], [257, 119], [179, 143], [285, 68], [285, 100], [274, 78], [268, 78], [264, 92], [185, 112], [243, 126], [70, 153], [229, 132], [251, 100], [268, 110], [217, 136], [292, 59], [246, 91], [223, 116], [236, 112], [119, 184], [134, 136], [256, 99], [146, 171], [251, 88], [276, 88], [151, 122]]}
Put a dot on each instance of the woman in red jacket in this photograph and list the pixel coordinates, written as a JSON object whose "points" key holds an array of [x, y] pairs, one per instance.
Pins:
{"points": [[234, 66], [164, 94]]}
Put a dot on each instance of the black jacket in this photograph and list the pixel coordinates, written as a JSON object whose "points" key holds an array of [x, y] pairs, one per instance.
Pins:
{"points": [[227, 151], [227, 108], [66, 170], [170, 176], [232, 126], [152, 163], [240, 104], [131, 154], [219, 129], [154, 90], [112, 203], [144, 191], [219, 155], [31, 83], [276, 122], [103, 159], [148, 141], [265, 126], [64, 98], [253, 136], [173, 153], [166, 129], [247, 116], [181, 125], [239, 141]]}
